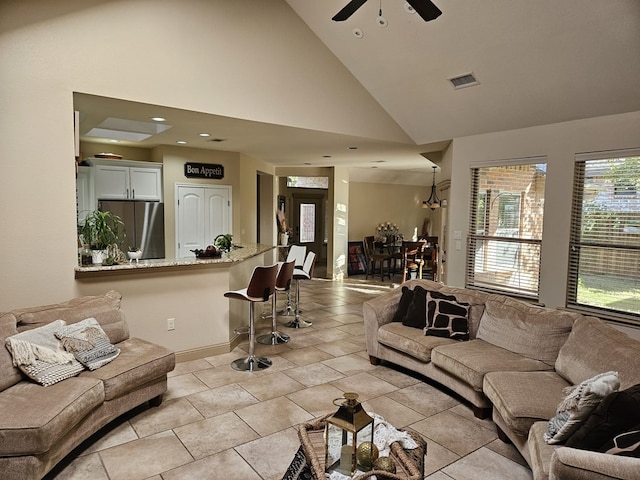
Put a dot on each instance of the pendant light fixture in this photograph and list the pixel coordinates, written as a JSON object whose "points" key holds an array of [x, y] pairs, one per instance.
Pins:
{"points": [[433, 202]]}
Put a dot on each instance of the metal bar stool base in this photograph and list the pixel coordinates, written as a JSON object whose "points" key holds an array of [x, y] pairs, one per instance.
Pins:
{"points": [[251, 364], [298, 323], [273, 338]]}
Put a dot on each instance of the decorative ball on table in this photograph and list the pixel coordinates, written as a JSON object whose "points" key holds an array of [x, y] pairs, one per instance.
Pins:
{"points": [[366, 454], [385, 464]]}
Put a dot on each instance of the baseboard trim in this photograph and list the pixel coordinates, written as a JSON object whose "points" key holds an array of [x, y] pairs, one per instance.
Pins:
{"points": [[208, 351]]}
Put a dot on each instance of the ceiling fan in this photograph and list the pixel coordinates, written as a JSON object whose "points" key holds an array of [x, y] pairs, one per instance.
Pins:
{"points": [[425, 8]]}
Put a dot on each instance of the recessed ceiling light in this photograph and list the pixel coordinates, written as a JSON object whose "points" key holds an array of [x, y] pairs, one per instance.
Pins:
{"points": [[307, 163], [158, 119], [204, 134], [352, 148], [378, 161], [182, 142], [326, 156], [113, 140]]}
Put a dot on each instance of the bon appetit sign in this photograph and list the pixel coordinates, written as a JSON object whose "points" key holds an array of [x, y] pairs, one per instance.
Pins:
{"points": [[203, 170]]}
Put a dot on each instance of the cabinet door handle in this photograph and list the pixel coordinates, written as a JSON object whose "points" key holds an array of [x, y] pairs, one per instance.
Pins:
{"points": [[133, 193]]}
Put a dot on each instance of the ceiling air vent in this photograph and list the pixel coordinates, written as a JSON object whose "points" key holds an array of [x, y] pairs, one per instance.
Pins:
{"points": [[465, 80]]}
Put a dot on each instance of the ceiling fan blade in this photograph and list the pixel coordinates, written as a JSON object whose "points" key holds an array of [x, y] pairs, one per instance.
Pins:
{"points": [[426, 9], [348, 10]]}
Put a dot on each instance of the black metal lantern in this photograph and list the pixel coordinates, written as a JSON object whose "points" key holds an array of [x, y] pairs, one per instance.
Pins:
{"points": [[345, 430]]}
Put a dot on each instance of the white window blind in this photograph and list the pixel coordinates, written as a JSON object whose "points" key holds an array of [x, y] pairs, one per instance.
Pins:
{"points": [[505, 225], [604, 254]]}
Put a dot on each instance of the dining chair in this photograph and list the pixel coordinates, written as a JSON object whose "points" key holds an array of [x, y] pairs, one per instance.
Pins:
{"points": [[412, 259], [374, 259]]}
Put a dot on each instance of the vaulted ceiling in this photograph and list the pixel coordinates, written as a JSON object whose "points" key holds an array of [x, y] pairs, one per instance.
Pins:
{"points": [[536, 62]]}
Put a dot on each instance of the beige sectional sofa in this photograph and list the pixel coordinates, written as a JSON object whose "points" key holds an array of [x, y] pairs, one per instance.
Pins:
{"points": [[515, 365], [40, 425]]}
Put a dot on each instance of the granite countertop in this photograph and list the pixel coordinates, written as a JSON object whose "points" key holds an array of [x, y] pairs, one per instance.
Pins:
{"points": [[238, 254]]}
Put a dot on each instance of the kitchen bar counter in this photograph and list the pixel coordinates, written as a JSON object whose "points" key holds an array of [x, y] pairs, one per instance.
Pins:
{"points": [[238, 254]]}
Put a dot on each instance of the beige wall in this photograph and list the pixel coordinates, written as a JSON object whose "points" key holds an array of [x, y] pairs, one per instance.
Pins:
{"points": [[559, 143], [373, 203], [214, 57]]}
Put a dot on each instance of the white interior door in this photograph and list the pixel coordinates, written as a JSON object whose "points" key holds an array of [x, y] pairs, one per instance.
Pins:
{"points": [[202, 213]]}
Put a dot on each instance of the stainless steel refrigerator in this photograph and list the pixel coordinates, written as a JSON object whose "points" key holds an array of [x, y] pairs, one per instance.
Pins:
{"points": [[143, 224]]}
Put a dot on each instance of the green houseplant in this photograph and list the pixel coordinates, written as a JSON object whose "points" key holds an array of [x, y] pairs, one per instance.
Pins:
{"points": [[101, 230]]}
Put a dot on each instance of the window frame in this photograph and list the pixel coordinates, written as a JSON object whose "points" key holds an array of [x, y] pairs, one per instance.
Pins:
{"points": [[582, 193], [501, 246]]}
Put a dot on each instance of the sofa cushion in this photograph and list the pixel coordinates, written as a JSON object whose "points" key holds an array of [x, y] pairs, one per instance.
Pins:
{"points": [[34, 417], [416, 316], [617, 413], [446, 317], [139, 362], [594, 347], [40, 356], [104, 308], [540, 452], [523, 398], [410, 340], [403, 304], [471, 360], [574, 409], [9, 374], [529, 330]]}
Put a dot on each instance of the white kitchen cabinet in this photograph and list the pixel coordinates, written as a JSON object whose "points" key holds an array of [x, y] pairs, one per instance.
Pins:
{"points": [[85, 198], [125, 181]]}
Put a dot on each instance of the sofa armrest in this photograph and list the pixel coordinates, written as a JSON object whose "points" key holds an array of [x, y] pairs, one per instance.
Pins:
{"points": [[574, 464]]}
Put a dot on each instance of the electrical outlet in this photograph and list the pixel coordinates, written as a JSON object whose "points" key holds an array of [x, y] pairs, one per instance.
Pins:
{"points": [[171, 323]]}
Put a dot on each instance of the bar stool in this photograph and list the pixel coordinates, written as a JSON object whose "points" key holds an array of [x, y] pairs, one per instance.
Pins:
{"points": [[297, 254], [261, 287], [304, 273], [283, 284]]}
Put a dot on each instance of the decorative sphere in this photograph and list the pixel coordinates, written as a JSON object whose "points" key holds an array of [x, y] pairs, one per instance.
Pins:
{"points": [[384, 463], [366, 453]]}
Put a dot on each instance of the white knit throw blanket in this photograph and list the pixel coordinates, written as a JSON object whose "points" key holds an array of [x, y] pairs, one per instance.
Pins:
{"points": [[38, 344]]}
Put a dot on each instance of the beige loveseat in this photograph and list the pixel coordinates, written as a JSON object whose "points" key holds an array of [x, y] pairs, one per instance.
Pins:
{"points": [[516, 363], [40, 425]]}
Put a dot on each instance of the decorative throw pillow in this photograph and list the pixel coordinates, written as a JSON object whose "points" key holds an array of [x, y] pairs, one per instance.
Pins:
{"points": [[578, 405], [403, 304], [626, 444], [40, 356], [88, 343], [617, 412], [446, 317], [416, 316]]}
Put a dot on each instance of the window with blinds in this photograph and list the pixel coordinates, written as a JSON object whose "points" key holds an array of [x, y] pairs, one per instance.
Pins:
{"points": [[505, 228], [604, 253]]}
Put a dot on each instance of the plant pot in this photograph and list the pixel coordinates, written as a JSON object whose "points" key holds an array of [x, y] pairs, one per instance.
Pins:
{"points": [[134, 255], [97, 256], [284, 239]]}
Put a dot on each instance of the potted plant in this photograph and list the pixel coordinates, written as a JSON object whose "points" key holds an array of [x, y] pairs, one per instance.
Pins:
{"points": [[223, 242], [101, 230]]}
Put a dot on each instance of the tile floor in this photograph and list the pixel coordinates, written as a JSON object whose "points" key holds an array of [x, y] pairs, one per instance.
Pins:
{"points": [[217, 423]]}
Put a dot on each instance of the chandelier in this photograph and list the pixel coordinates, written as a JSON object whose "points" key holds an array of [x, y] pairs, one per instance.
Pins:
{"points": [[433, 202]]}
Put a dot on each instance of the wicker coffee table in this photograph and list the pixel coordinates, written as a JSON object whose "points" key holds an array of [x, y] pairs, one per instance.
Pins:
{"points": [[409, 463]]}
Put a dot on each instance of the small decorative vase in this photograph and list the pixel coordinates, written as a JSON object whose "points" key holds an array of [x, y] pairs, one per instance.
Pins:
{"points": [[284, 239], [134, 255], [97, 256]]}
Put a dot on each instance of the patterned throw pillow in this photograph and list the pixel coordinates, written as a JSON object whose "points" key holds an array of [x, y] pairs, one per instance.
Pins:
{"points": [[88, 343], [574, 410], [446, 317], [40, 356], [416, 316], [626, 444]]}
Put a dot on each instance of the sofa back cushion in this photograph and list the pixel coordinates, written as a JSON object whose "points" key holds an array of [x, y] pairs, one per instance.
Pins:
{"points": [[104, 308], [594, 347], [529, 330], [9, 375]]}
